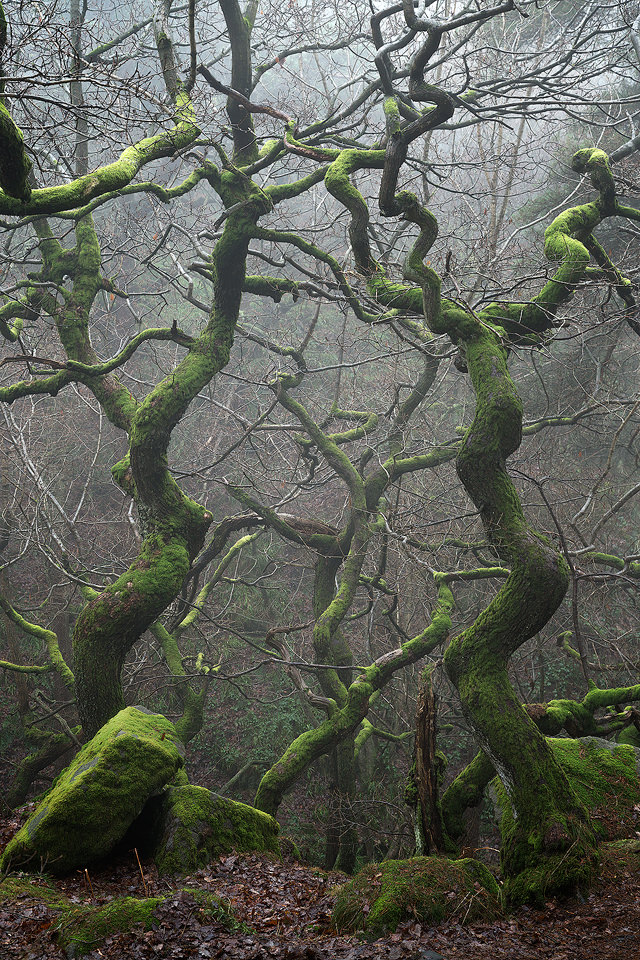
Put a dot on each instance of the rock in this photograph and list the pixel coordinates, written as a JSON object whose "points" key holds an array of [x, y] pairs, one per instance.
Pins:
{"points": [[605, 777], [193, 826], [429, 889], [96, 798]]}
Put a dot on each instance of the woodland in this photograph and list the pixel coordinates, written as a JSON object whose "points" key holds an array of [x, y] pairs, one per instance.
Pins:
{"points": [[319, 416]]}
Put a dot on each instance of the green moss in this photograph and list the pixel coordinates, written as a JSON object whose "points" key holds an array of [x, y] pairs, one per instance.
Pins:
{"points": [[629, 735], [99, 794], [18, 887], [197, 826], [15, 165], [107, 179], [605, 778], [82, 928], [555, 875], [429, 889]]}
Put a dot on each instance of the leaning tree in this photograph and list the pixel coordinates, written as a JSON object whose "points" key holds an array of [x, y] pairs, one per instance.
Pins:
{"points": [[136, 137]]}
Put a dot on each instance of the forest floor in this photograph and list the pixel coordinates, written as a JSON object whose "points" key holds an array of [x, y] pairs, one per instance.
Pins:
{"points": [[284, 911]]}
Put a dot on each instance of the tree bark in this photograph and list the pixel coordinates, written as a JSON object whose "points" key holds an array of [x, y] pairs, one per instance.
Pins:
{"points": [[427, 770]]}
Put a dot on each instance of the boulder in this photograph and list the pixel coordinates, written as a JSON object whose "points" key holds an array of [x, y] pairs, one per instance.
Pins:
{"points": [[605, 776], [95, 799], [192, 826]]}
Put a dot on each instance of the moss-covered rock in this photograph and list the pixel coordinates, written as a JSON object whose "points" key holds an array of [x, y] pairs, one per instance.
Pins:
{"points": [[94, 801], [630, 735], [429, 889], [194, 826]]}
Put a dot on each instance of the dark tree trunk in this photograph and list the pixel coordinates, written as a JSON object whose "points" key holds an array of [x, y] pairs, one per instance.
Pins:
{"points": [[428, 770]]}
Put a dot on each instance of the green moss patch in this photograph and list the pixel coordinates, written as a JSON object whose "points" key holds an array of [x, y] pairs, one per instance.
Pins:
{"points": [[21, 887], [84, 927], [196, 826], [93, 801], [429, 889]]}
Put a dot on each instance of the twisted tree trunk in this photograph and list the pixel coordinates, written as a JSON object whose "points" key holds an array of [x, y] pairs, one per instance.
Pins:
{"points": [[550, 846]]}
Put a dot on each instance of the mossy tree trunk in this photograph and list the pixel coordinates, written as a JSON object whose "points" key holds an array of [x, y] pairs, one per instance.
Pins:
{"points": [[173, 525], [552, 845], [342, 835]]}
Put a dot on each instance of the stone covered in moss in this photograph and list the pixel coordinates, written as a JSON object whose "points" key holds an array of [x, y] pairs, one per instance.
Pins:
{"points": [[97, 797], [429, 889], [195, 826], [630, 735], [605, 778]]}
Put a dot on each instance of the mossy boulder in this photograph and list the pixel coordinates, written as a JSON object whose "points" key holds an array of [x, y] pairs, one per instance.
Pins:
{"points": [[630, 735], [429, 889], [193, 826], [96, 798], [605, 778]]}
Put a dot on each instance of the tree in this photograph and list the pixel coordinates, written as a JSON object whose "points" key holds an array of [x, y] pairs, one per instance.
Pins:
{"points": [[372, 132]]}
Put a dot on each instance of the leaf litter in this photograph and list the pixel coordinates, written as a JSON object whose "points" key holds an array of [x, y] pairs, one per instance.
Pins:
{"points": [[283, 911]]}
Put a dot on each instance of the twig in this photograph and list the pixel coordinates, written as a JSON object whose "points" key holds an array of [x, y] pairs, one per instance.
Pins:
{"points": [[144, 882]]}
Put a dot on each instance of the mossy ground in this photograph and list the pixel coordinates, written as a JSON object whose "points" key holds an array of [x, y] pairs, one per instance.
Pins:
{"points": [[79, 928], [429, 889], [82, 928], [15, 887], [619, 860]]}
